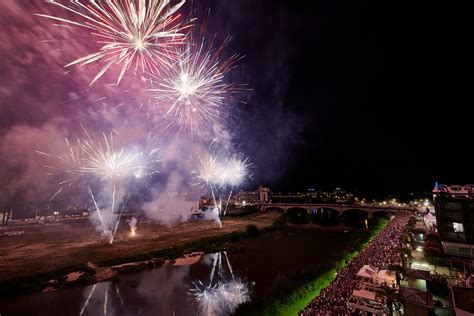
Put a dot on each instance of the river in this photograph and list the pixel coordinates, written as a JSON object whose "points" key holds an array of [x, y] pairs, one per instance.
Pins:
{"points": [[214, 284]]}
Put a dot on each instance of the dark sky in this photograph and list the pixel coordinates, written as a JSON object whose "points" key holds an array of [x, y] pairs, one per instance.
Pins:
{"points": [[363, 95], [375, 90]]}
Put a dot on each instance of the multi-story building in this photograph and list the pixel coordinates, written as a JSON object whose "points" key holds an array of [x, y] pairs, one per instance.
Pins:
{"points": [[454, 206], [247, 197]]}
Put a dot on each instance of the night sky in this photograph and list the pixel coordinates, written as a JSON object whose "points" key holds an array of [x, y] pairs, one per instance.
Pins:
{"points": [[377, 93], [362, 95]]}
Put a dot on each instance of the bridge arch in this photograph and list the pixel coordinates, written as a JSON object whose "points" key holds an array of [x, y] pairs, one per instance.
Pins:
{"points": [[355, 217], [297, 215], [274, 209], [325, 216]]}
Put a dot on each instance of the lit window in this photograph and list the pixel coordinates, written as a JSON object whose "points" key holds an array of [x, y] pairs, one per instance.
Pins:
{"points": [[458, 227]]}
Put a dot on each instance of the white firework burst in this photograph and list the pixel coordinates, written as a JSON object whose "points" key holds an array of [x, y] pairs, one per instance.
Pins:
{"points": [[190, 95], [142, 33]]}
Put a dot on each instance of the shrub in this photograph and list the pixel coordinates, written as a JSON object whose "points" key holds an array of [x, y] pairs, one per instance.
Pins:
{"points": [[280, 222], [235, 236], [252, 231]]}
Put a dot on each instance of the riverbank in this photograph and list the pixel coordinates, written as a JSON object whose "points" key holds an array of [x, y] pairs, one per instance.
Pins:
{"points": [[382, 252], [257, 267], [296, 292], [35, 262]]}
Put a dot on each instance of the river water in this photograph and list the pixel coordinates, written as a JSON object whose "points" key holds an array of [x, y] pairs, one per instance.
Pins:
{"points": [[213, 285]]}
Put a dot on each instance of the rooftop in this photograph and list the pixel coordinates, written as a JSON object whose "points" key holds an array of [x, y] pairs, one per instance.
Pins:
{"points": [[464, 298], [417, 297], [463, 191]]}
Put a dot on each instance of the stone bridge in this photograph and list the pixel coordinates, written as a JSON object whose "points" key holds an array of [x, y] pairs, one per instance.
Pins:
{"points": [[335, 210]]}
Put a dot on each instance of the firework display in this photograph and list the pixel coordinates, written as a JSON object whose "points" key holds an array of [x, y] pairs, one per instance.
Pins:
{"points": [[132, 177], [67, 165], [114, 166], [220, 176], [186, 77], [107, 163], [103, 294], [132, 33], [88, 160], [221, 295], [213, 172], [191, 94]]}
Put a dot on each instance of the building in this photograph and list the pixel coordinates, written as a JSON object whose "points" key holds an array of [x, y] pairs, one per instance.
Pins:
{"points": [[417, 303], [243, 198], [369, 296], [367, 301], [263, 194], [462, 300], [454, 206]]}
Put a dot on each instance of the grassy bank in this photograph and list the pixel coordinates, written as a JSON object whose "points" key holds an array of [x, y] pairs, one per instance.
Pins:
{"points": [[226, 242], [293, 294]]}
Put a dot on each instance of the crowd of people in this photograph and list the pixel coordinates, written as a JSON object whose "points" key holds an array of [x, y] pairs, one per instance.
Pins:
{"points": [[380, 252], [438, 278], [464, 280]]}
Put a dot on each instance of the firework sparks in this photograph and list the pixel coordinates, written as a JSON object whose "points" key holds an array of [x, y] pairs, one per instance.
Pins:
{"points": [[207, 170], [93, 306], [220, 176], [106, 162], [86, 303], [233, 293], [67, 166], [213, 171], [222, 297], [105, 231], [133, 226], [142, 33], [190, 95], [207, 298], [116, 165], [89, 159], [234, 171]]}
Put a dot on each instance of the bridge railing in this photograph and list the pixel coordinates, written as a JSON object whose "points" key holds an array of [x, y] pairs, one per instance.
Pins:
{"points": [[341, 205]]}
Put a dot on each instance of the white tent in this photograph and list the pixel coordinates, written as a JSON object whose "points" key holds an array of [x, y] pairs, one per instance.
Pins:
{"points": [[386, 276], [429, 219], [368, 271], [364, 294]]}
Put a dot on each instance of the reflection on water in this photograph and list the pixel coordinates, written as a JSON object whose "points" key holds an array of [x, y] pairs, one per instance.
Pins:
{"points": [[103, 298], [221, 294], [171, 290], [213, 284]]}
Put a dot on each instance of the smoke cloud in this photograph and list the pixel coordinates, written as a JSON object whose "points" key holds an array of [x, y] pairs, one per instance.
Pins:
{"points": [[44, 103]]}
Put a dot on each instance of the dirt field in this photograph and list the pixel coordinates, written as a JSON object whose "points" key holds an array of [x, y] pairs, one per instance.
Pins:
{"points": [[33, 253]]}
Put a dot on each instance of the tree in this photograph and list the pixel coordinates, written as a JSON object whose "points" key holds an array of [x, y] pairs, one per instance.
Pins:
{"points": [[405, 255], [411, 223], [398, 269], [408, 239], [392, 297]]}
